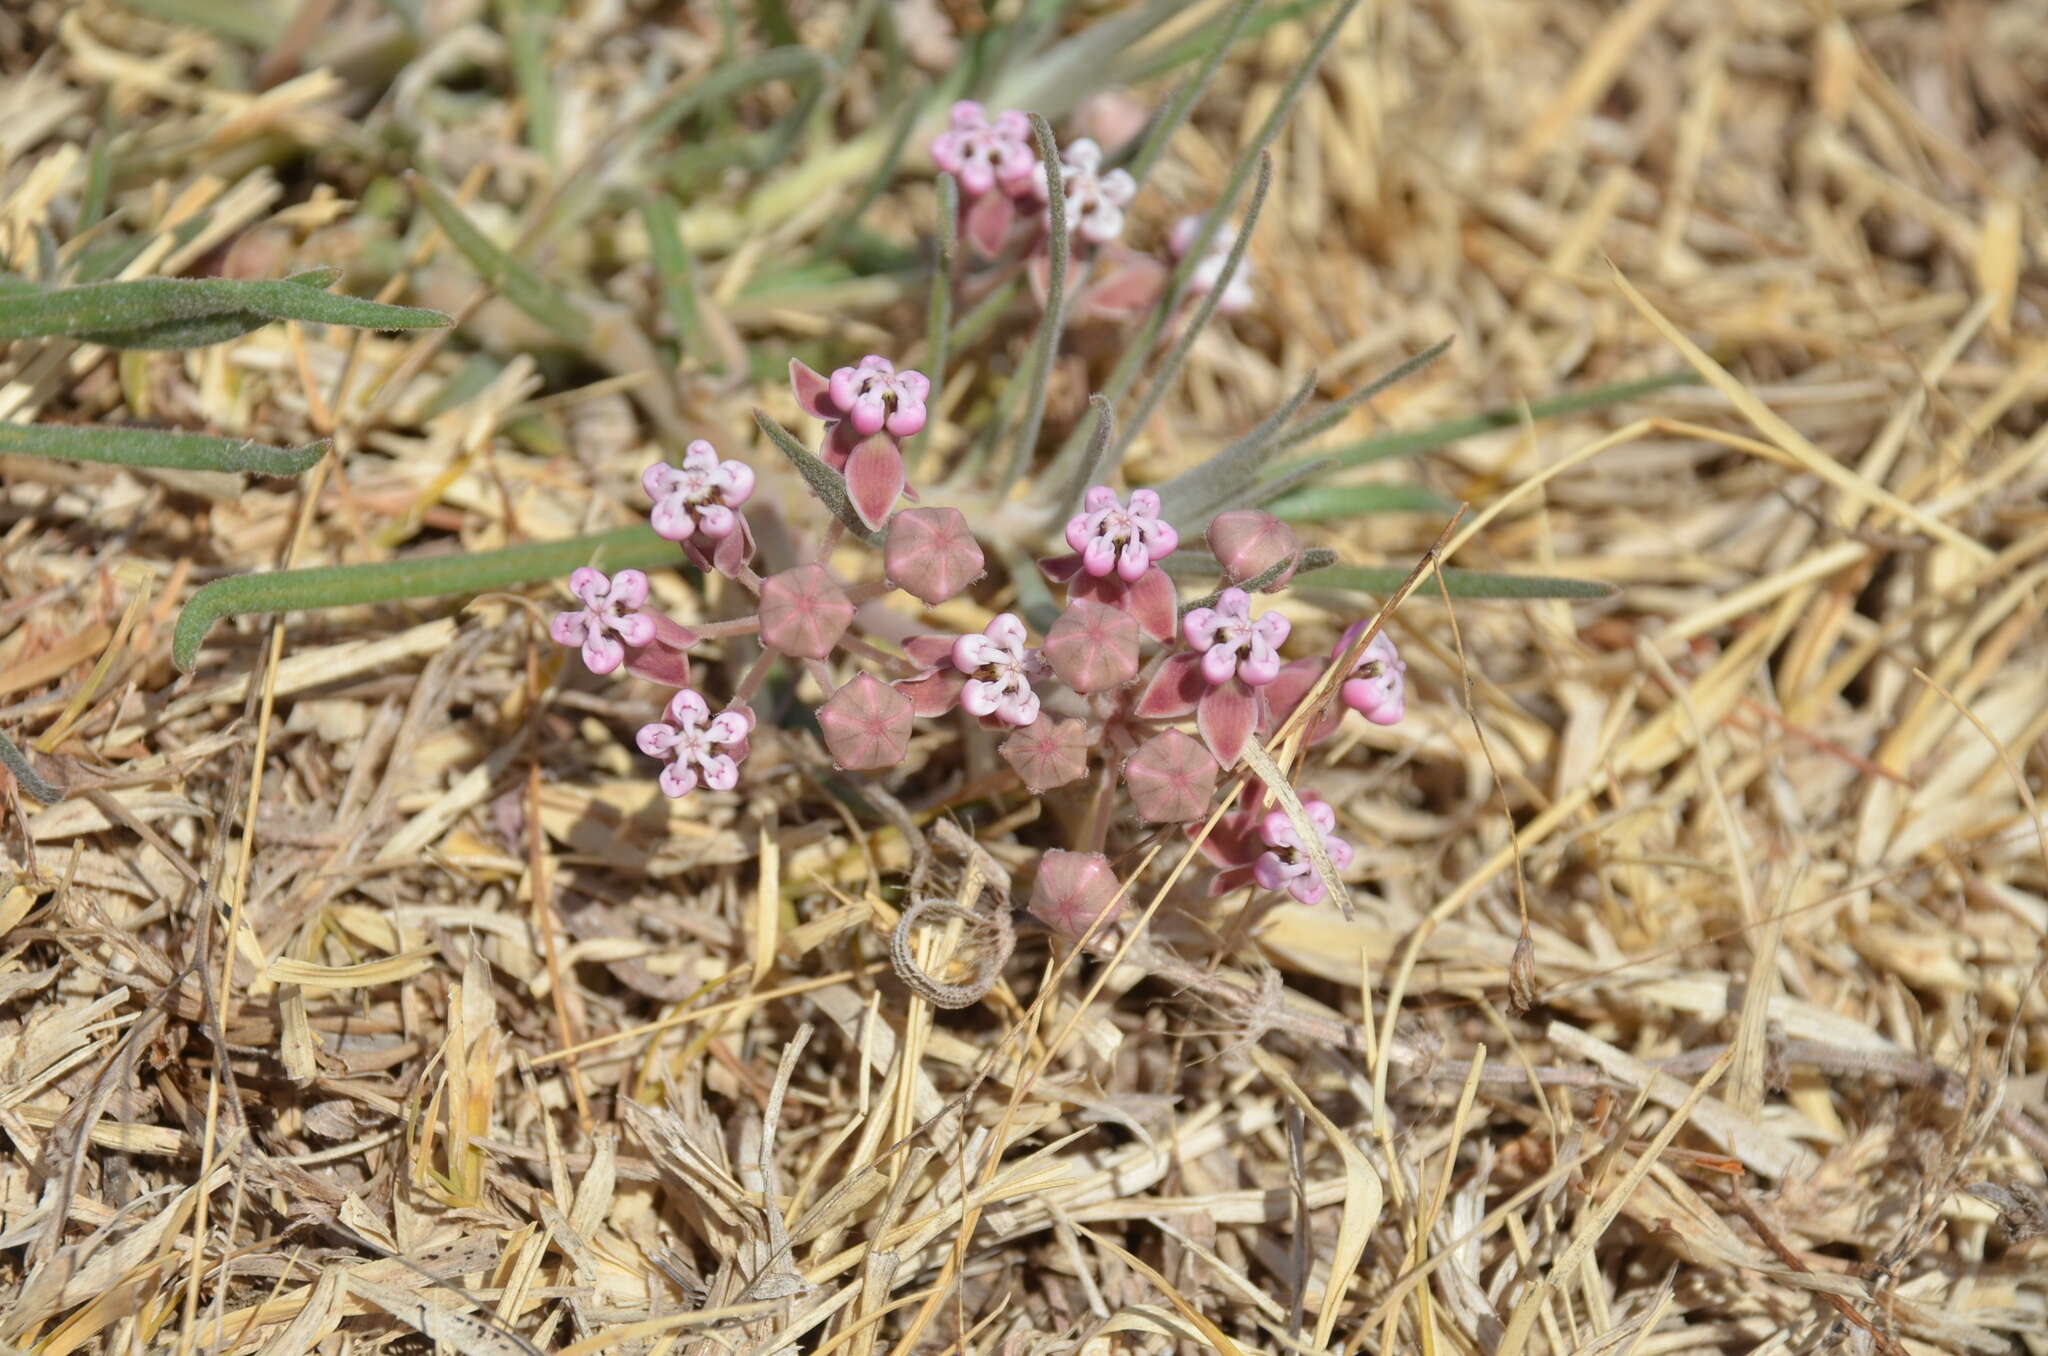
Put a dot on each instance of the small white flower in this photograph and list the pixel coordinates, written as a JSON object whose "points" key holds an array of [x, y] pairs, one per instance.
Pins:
{"points": [[696, 745], [1095, 201], [999, 672], [699, 496]]}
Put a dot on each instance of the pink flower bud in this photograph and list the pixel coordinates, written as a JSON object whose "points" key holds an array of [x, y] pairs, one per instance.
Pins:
{"points": [[866, 724], [1073, 889], [1249, 542], [931, 553], [1047, 753], [804, 612], [1171, 778], [1093, 648]]}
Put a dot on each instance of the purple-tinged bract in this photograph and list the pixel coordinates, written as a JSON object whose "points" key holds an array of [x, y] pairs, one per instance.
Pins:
{"points": [[1093, 648], [866, 724], [1171, 778], [931, 553], [1073, 889], [804, 612]]}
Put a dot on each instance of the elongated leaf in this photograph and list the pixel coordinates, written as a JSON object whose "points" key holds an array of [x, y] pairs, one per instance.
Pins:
{"points": [[1183, 101], [157, 447], [1385, 579], [1324, 420], [520, 285], [938, 330], [193, 312], [1047, 344], [459, 572], [1385, 446], [1219, 479], [1339, 502], [827, 484], [25, 774], [677, 272]]}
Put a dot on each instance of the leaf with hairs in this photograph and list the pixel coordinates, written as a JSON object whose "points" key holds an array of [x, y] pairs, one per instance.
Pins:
{"points": [[1170, 118], [1383, 580], [164, 313], [1045, 347], [1326, 419], [453, 573], [824, 482], [1222, 476], [520, 285], [1327, 503], [157, 447]]}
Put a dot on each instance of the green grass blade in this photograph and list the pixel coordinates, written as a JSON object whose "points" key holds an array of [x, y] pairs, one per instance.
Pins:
{"points": [[525, 24], [677, 273], [454, 573], [1383, 580], [520, 285], [1046, 346], [1195, 46], [157, 447], [192, 312], [1385, 446], [1339, 503]]}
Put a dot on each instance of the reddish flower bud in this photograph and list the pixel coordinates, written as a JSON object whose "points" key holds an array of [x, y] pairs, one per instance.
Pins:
{"points": [[1073, 889], [931, 553], [1093, 648], [804, 612], [1171, 778], [1249, 542], [866, 724], [1048, 753]]}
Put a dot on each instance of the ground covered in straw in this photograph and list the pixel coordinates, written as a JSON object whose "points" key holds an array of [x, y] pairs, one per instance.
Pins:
{"points": [[365, 993]]}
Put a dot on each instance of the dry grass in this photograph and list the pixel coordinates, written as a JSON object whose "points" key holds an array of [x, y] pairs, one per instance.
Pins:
{"points": [[515, 1046]]}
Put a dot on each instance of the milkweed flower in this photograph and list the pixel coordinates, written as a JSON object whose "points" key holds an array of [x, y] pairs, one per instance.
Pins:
{"points": [[984, 153], [1286, 864], [875, 396], [1238, 296], [1377, 685], [1110, 536], [696, 746], [1000, 671], [1233, 645], [610, 619], [1095, 200], [701, 496]]}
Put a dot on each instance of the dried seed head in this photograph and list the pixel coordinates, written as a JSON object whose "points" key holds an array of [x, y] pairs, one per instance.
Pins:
{"points": [[931, 553], [866, 724], [1073, 889], [1171, 778], [804, 612], [1093, 648], [1249, 542], [1048, 753]]}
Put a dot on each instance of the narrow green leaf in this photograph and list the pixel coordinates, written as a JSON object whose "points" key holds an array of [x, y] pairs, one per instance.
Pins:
{"points": [[525, 24], [677, 273], [520, 285], [1221, 477], [190, 312], [1196, 45], [157, 447], [824, 482], [1385, 446], [1340, 502], [1096, 467], [939, 317], [254, 25], [452, 573], [1046, 346], [1183, 101], [15, 761], [1326, 419], [1383, 580]]}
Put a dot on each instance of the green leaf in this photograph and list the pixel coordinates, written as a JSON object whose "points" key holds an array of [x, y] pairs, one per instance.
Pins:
{"points": [[454, 573], [157, 447], [193, 312], [1383, 580], [677, 273], [824, 482], [25, 774], [1322, 421], [500, 271], [1045, 347], [1213, 50], [1385, 446], [1338, 502]]}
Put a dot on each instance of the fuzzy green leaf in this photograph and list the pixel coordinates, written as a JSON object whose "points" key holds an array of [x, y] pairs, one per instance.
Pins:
{"points": [[453, 573], [827, 484], [1337, 503], [161, 313], [157, 447], [1383, 580]]}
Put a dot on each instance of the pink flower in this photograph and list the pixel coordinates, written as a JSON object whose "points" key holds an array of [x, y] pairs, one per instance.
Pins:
{"points": [[1095, 201], [1238, 296], [1232, 644], [875, 396], [610, 620], [1112, 537], [701, 496], [1285, 865], [983, 154], [1377, 687], [696, 745], [999, 672]]}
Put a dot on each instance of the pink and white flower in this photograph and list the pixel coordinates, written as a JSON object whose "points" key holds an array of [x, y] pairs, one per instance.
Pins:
{"points": [[876, 396], [1000, 671], [1377, 687], [1110, 536], [984, 154], [696, 746], [610, 620], [1232, 644], [701, 496], [1238, 296], [1095, 201], [1286, 865]]}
